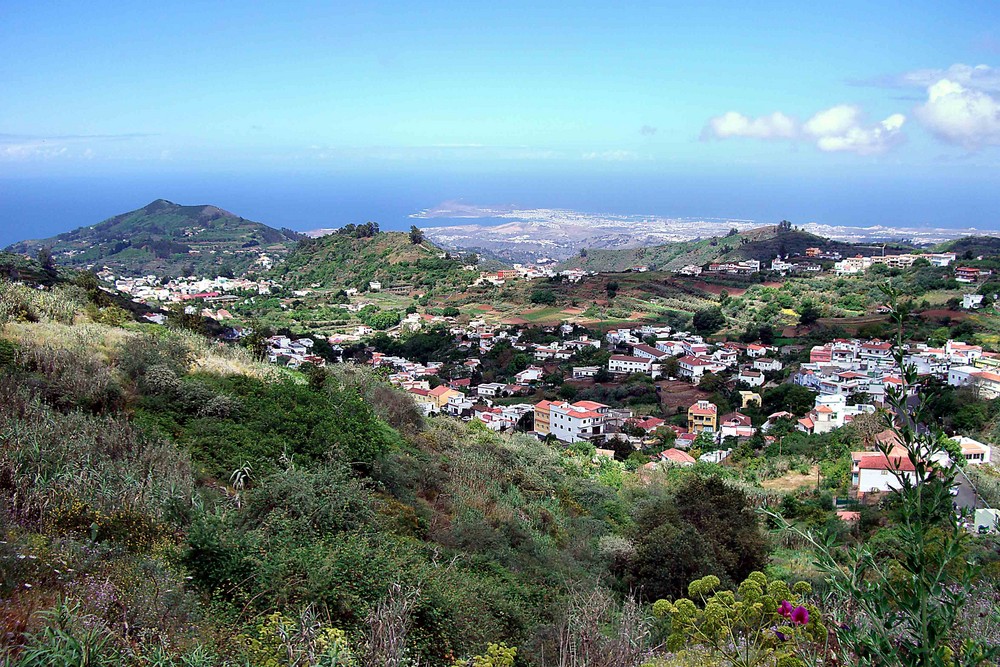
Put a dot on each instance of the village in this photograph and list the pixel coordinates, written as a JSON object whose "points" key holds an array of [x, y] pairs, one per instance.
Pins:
{"points": [[847, 377]]}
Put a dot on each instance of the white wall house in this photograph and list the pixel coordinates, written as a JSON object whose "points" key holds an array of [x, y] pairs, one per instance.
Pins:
{"points": [[621, 363], [583, 420], [872, 472]]}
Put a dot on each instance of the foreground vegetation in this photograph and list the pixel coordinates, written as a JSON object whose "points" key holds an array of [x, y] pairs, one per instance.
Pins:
{"points": [[167, 500]]}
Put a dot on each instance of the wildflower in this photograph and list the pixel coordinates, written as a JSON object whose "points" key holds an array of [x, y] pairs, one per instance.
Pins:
{"points": [[779, 634], [800, 616], [785, 609]]}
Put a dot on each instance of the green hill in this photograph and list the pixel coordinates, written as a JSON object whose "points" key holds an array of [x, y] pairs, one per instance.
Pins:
{"points": [[971, 246], [346, 260], [762, 243], [164, 238]]}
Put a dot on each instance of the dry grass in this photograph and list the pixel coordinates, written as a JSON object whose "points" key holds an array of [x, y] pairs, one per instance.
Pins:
{"points": [[98, 341], [791, 480], [104, 343]]}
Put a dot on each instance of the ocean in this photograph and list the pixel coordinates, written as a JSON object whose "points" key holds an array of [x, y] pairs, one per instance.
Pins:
{"points": [[41, 206]]}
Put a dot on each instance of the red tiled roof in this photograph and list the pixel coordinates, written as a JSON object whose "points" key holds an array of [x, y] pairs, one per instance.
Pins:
{"points": [[677, 456], [882, 462]]}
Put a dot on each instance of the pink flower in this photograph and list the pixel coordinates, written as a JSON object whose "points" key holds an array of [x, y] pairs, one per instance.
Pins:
{"points": [[800, 616], [785, 609]]}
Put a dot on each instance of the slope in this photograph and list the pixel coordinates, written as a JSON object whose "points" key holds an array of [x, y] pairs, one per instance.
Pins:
{"points": [[165, 238], [762, 243], [970, 247], [348, 261]]}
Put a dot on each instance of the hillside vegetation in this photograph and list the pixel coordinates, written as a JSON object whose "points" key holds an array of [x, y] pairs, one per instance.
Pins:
{"points": [[164, 496], [165, 238], [762, 243], [349, 261], [972, 246]]}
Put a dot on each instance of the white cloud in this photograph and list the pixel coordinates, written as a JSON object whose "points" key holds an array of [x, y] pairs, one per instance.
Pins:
{"points": [[961, 115], [980, 77], [837, 129], [732, 124], [841, 129]]}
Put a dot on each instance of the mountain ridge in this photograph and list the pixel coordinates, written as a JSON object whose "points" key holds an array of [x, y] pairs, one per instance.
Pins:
{"points": [[166, 238]]}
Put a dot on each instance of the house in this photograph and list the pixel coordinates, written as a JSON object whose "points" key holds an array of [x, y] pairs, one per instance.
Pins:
{"points": [[966, 274], [542, 416], [583, 420], [694, 367], [873, 472], [491, 389], [735, 425], [749, 398], [987, 519], [987, 384], [972, 301], [726, 356], [973, 451], [831, 411], [750, 377], [645, 351], [581, 372], [717, 456], [674, 456], [442, 394], [876, 352], [756, 350], [703, 417], [624, 364], [649, 424], [767, 365], [459, 406], [423, 399], [530, 374]]}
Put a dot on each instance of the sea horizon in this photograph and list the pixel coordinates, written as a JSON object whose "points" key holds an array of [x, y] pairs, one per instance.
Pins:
{"points": [[38, 207]]}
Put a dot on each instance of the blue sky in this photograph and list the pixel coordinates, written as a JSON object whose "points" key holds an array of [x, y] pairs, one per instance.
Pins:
{"points": [[713, 90]]}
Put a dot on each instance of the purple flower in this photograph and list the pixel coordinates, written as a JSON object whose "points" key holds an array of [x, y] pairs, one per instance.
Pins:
{"points": [[785, 609], [800, 616], [779, 634]]}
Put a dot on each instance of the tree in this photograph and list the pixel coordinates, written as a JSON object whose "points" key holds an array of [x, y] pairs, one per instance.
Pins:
{"points": [[47, 261], [671, 367], [711, 382], [543, 296], [808, 312], [416, 235], [708, 320], [612, 289]]}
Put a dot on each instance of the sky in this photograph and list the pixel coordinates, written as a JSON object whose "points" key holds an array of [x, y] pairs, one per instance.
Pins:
{"points": [[708, 108]]}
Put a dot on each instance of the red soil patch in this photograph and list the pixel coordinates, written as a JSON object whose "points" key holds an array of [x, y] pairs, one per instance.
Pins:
{"points": [[514, 320], [717, 289], [678, 394], [573, 311], [941, 313]]}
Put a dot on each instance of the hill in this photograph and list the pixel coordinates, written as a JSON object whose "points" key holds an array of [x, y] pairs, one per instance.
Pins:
{"points": [[762, 243], [348, 260], [970, 247], [165, 238]]}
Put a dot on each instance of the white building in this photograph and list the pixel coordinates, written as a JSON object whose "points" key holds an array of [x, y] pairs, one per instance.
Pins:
{"points": [[872, 472], [583, 420], [624, 364]]}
